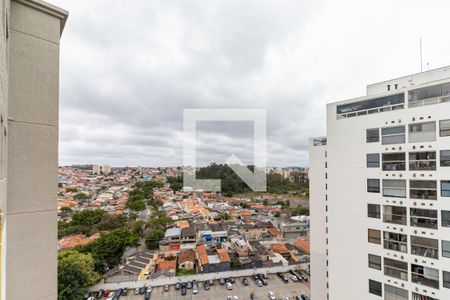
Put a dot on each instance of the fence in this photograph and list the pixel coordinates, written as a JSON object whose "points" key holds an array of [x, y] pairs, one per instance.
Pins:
{"points": [[198, 277]]}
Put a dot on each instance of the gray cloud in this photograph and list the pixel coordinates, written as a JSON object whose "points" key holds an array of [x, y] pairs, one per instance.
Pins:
{"points": [[128, 71]]}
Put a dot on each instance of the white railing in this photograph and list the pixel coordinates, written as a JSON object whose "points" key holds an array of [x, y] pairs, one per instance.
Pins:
{"points": [[429, 101], [369, 111], [198, 277]]}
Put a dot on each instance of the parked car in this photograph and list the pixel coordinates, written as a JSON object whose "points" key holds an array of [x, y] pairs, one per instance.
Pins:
{"points": [[229, 286], [166, 288], [194, 288], [106, 294], [259, 283], [149, 289], [177, 286], [294, 278], [304, 297], [235, 297], [211, 282], [117, 294], [271, 296], [147, 295], [264, 281], [206, 285], [222, 281], [100, 293], [183, 290], [142, 291], [189, 285], [125, 292], [245, 281], [231, 279], [252, 296], [136, 291], [110, 296]]}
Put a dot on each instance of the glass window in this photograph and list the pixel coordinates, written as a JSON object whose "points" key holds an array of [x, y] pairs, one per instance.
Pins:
{"points": [[394, 188], [425, 276], [424, 247], [446, 249], [375, 287], [423, 161], [395, 241], [425, 218], [445, 188], [445, 218], [446, 279], [373, 211], [429, 95], [393, 135], [444, 128], [394, 214], [395, 268], [416, 296], [373, 135], [373, 185], [422, 132], [394, 161], [423, 189], [371, 106], [374, 236], [373, 160], [394, 293], [374, 262], [445, 158]]}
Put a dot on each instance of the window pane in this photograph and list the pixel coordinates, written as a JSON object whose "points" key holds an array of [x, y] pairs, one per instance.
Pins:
{"points": [[374, 236], [375, 287], [373, 211], [422, 132], [393, 135], [373, 160], [394, 188], [446, 277], [445, 218], [394, 161], [372, 135], [444, 128], [393, 130], [445, 188], [445, 158], [373, 185], [374, 262], [422, 161], [446, 249]]}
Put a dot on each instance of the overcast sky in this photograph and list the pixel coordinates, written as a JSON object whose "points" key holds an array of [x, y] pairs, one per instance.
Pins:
{"points": [[129, 68]]}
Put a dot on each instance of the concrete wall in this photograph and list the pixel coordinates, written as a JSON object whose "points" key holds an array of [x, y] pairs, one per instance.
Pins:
{"points": [[198, 277], [29, 246]]}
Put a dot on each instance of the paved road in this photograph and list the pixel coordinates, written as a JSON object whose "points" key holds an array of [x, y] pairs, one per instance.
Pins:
{"points": [[218, 291]]}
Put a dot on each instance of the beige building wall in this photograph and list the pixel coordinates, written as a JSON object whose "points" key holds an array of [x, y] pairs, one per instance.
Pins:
{"points": [[30, 31]]}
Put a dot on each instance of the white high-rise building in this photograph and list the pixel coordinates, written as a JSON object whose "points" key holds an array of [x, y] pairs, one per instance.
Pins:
{"points": [[380, 193]]}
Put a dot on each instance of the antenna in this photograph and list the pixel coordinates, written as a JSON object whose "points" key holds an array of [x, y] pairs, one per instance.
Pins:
{"points": [[421, 69]]}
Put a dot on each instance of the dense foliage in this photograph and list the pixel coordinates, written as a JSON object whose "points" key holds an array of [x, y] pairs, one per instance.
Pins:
{"points": [[108, 249], [75, 274], [89, 222], [232, 184]]}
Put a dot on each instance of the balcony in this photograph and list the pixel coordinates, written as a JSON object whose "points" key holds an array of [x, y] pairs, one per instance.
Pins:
{"points": [[429, 101]]}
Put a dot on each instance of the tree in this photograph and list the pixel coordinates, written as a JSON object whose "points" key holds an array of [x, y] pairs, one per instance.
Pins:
{"points": [[138, 227], [108, 249], [81, 196], [66, 212], [88, 217], [75, 274], [153, 238], [299, 210]]}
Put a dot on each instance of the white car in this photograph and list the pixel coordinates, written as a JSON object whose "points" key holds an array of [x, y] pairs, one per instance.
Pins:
{"points": [[294, 278], [235, 298], [229, 286], [271, 296]]}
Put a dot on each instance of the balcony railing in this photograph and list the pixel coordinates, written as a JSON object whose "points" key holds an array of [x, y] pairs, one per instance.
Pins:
{"points": [[370, 111], [424, 251], [395, 219], [426, 281], [429, 101], [395, 246]]}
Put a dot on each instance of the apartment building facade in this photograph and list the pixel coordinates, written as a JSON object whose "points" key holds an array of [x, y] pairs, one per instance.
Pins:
{"points": [[380, 193], [30, 32]]}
